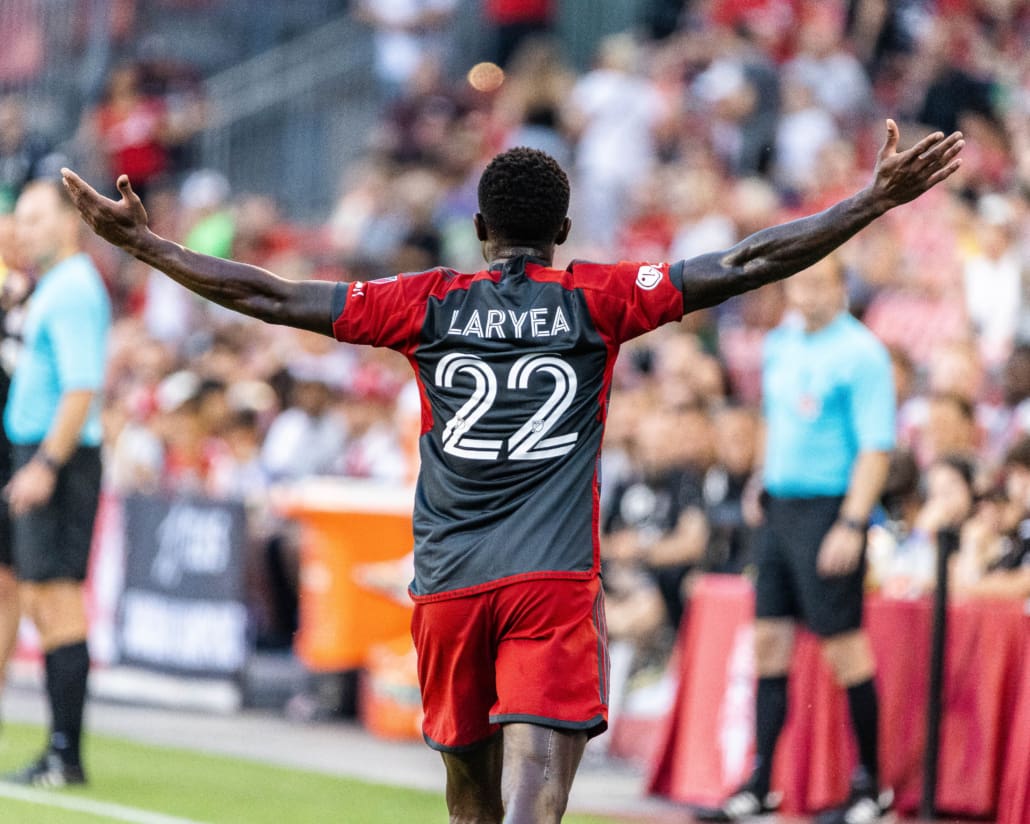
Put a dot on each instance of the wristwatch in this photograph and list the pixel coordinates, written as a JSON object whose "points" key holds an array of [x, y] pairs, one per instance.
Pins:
{"points": [[853, 524], [48, 460]]}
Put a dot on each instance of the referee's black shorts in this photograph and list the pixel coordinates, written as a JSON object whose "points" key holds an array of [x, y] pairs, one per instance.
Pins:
{"points": [[6, 555], [789, 584], [52, 542]]}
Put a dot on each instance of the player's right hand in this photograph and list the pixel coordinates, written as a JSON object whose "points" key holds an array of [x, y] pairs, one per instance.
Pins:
{"points": [[122, 222]]}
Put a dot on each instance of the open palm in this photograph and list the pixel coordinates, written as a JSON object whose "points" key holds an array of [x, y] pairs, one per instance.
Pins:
{"points": [[121, 222], [903, 176]]}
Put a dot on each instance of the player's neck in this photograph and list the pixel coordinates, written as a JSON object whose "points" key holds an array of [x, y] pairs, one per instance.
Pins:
{"points": [[505, 252]]}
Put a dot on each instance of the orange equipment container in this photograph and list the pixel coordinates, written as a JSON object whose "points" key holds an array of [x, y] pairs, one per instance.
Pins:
{"points": [[390, 704], [356, 543]]}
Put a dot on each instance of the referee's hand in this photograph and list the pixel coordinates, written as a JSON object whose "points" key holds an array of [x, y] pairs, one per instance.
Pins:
{"points": [[840, 551], [30, 487]]}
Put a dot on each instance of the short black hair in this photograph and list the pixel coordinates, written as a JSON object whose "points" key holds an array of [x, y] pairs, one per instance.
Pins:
{"points": [[524, 196], [962, 466], [963, 405]]}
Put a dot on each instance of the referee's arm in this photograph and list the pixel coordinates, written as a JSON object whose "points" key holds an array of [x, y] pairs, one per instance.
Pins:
{"points": [[34, 483], [867, 479], [775, 253], [241, 287], [871, 408]]}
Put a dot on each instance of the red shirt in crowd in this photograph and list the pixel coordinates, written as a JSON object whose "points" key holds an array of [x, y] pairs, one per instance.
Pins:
{"points": [[131, 139], [503, 12]]}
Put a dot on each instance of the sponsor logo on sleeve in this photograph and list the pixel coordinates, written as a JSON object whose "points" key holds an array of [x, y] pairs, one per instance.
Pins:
{"points": [[648, 277]]}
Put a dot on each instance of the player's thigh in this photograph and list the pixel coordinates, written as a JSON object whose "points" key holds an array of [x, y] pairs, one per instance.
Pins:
{"points": [[454, 641], [552, 655]]}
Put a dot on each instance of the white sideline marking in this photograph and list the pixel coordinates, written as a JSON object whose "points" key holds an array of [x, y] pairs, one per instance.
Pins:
{"points": [[104, 809]]}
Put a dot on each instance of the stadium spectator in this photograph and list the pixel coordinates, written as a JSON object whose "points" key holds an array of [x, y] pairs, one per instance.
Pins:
{"points": [[524, 198], [516, 21], [407, 34], [308, 437], [950, 428], [950, 498], [740, 91], [52, 418], [613, 111], [829, 410], [1015, 391], [655, 531], [725, 487], [993, 279], [824, 65], [372, 448], [994, 551], [803, 131], [130, 129], [531, 101], [23, 155]]}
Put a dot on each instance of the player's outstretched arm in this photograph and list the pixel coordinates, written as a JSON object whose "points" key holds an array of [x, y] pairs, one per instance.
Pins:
{"points": [[776, 253], [238, 286]]}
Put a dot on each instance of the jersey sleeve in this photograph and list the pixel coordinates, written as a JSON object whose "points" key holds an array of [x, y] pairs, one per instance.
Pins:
{"points": [[387, 312], [78, 329], [628, 299], [872, 399]]}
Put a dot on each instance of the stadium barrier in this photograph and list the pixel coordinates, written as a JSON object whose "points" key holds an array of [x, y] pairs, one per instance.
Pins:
{"points": [[706, 745]]}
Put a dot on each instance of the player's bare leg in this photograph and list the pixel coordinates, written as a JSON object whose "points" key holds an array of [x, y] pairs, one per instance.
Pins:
{"points": [[474, 784], [539, 765]]}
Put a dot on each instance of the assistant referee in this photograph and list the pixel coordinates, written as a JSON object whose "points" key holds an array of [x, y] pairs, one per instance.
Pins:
{"points": [[52, 419], [828, 399]]}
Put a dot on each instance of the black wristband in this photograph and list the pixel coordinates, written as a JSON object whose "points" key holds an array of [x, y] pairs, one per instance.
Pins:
{"points": [[853, 524], [48, 460]]}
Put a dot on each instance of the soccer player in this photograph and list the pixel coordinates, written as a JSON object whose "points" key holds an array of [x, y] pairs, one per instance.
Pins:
{"points": [[514, 365]]}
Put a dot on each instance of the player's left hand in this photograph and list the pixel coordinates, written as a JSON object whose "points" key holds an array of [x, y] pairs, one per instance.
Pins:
{"points": [[30, 487], [840, 552], [903, 176]]}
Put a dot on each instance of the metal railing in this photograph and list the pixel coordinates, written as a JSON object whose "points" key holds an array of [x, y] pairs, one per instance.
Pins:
{"points": [[54, 56], [285, 122]]}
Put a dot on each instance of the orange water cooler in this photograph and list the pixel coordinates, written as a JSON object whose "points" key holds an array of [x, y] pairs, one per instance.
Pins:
{"points": [[355, 565]]}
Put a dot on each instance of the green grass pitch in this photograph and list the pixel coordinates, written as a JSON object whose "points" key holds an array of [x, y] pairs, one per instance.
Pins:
{"points": [[216, 789]]}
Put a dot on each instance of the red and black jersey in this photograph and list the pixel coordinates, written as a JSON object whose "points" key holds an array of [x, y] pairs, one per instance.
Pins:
{"points": [[514, 366]]}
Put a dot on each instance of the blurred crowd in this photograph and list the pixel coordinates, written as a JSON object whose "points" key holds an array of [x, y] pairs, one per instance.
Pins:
{"points": [[710, 120]]}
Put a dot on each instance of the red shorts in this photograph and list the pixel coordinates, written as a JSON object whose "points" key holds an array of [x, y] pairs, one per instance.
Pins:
{"points": [[533, 652]]}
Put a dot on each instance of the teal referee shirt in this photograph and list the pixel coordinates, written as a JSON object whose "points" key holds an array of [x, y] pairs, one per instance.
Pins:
{"points": [[826, 396], [65, 348]]}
